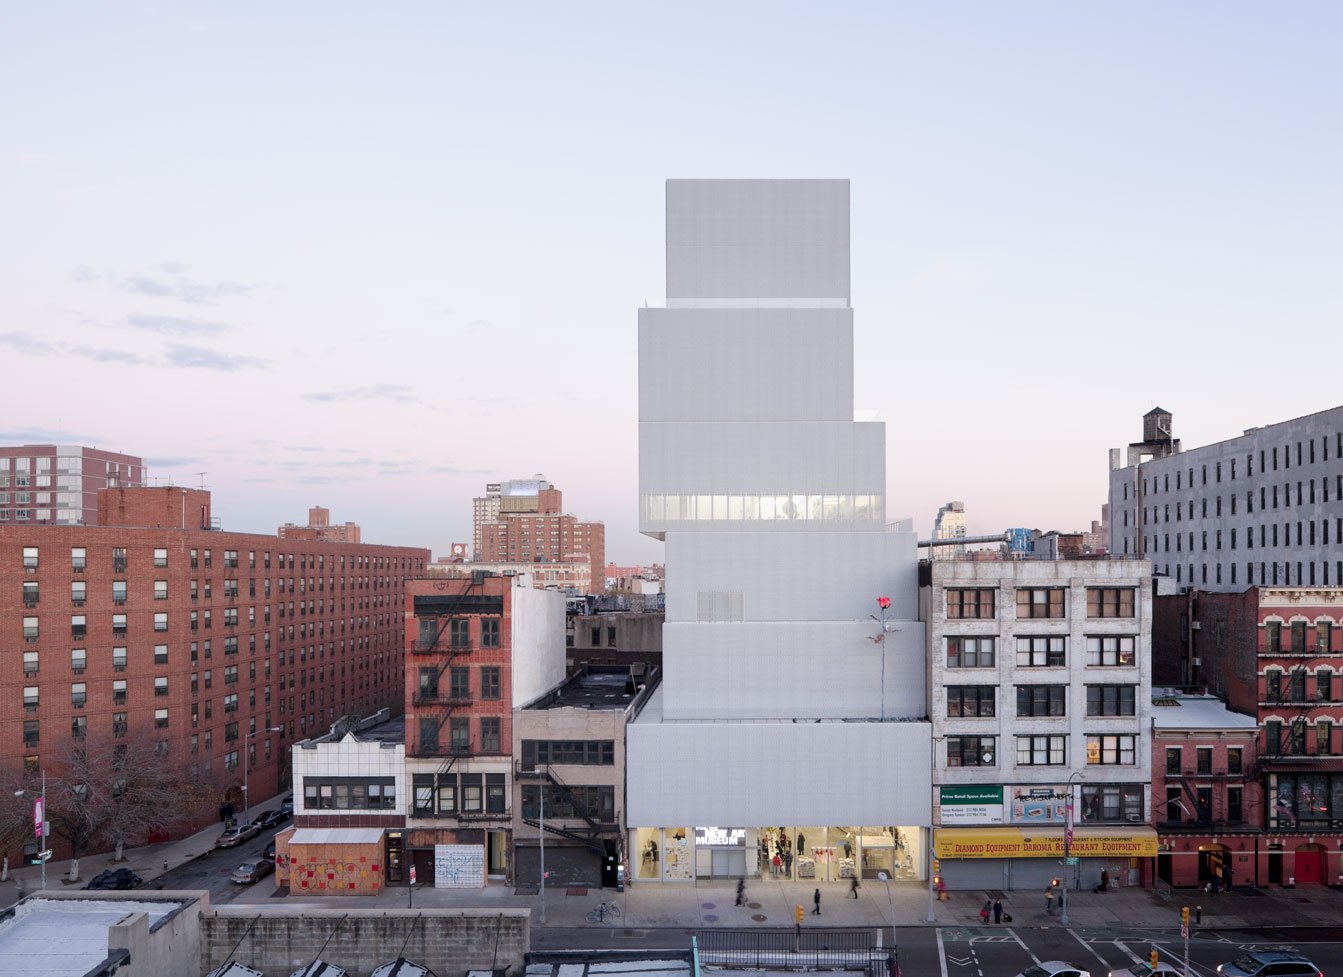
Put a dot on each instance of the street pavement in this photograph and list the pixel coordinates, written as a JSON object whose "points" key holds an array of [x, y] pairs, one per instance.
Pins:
{"points": [[1104, 932]]}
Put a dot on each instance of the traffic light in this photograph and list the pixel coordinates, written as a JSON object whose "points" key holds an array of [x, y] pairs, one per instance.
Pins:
{"points": [[797, 914], [937, 867], [1184, 916], [1056, 882], [1154, 959]]}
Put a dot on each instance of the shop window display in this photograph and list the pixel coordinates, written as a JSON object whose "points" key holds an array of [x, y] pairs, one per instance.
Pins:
{"points": [[679, 858]]}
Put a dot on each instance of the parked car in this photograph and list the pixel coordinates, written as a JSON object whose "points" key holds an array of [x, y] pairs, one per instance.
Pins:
{"points": [[250, 872], [1270, 963], [236, 835], [1143, 969], [268, 819], [268, 852], [121, 878], [287, 804], [1054, 968]]}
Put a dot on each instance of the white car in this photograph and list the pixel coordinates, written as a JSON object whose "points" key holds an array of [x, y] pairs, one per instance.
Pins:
{"points": [[1054, 968], [1141, 969]]}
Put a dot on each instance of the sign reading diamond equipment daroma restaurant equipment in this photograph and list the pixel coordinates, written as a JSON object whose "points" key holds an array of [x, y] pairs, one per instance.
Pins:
{"points": [[1044, 843], [971, 804]]}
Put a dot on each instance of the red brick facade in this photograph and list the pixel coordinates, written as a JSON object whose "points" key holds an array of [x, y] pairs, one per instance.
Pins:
{"points": [[214, 634]]}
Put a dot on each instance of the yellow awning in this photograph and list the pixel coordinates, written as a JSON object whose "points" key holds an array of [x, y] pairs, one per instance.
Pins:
{"points": [[1089, 842]]}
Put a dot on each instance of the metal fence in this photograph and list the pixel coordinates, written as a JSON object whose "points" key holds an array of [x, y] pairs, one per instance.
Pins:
{"points": [[790, 950]]}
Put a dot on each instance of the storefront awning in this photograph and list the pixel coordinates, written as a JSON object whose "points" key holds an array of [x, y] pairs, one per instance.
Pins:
{"points": [[336, 836], [1090, 842]]}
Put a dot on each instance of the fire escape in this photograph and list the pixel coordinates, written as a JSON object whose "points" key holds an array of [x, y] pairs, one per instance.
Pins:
{"points": [[591, 836], [435, 700]]}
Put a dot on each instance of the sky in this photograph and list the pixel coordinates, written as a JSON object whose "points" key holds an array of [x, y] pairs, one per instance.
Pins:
{"points": [[373, 256]]}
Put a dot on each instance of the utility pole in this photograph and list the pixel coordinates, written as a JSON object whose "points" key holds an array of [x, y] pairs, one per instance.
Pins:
{"points": [[542, 836]]}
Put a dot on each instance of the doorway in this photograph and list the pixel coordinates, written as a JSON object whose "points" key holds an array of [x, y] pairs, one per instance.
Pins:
{"points": [[1275, 865], [1310, 863], [395, 852], [1163, 866], [1211, 859]]}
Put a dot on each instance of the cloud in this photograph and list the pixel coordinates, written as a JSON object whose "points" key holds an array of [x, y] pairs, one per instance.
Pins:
{"points": [[169, 325], [316, 479], [167, 280], [171, 461], [454, 470], [397, 392], [198, 357], [46, 435], [110, 355], [25, 343]]}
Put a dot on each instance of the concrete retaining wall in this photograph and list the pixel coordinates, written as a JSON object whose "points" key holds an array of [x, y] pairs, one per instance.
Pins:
{"points": [[447, 941]]}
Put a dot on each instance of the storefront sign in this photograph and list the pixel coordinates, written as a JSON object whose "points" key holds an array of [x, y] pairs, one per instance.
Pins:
{"points": [[720, 836], [977, 804], [1040, 804], [1023, 843]]}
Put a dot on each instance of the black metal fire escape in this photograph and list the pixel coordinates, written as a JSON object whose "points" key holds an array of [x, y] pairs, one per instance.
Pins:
{"points": [[596, 827]]}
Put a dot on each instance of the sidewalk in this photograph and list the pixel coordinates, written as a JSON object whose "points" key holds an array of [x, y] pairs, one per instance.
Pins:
{"points": [[147, 861]]}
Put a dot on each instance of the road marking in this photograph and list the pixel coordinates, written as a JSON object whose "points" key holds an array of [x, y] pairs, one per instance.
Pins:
{"points": [[941, 954], [959, 961], [1135, 958], [1013, 933], [1090, 949]]}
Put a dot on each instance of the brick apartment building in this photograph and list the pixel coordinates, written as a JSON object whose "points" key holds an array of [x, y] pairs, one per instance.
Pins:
{"points": [[46, 483], [152, 620], [523, 521], [1275, 654], [477, 648], [319, 529]]}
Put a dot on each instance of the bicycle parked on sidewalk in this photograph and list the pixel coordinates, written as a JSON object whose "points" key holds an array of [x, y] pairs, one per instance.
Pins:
{"points": [[604, 913]]}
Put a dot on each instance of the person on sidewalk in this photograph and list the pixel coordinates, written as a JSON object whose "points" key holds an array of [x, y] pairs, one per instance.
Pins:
{"points": [[853, 886], [997, 911], [816, 898], [1105, 881], [1049, 899], [741, 892], [984, 912]]}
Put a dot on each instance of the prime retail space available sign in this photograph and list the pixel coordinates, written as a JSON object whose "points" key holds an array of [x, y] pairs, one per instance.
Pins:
{"points": [[971, 804]]}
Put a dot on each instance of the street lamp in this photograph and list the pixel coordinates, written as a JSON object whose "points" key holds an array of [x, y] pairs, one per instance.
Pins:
{"points": [[1067, 847], [40, 825], [255, 732]]}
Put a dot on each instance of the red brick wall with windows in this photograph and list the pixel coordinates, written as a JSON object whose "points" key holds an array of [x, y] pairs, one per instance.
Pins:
{"points": [[314, 631]]}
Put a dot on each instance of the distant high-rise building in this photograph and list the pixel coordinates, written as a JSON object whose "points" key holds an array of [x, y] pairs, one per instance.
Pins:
{"points": [[522, 522], [319, 529], [950, 524], [59, 483]]}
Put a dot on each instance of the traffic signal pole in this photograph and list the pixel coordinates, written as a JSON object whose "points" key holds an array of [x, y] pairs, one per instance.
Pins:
{"points": [[1184, 932]]}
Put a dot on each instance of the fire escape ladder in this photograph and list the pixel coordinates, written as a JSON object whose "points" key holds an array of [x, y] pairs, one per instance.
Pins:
{"points": [[582, 810], [581, 838]]}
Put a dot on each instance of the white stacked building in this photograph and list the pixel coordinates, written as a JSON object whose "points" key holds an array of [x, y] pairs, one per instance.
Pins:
{"points": [[789, 735]]}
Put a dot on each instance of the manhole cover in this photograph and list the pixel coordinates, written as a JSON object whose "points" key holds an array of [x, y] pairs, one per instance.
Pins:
{"points": [[710, 918], [759, 917], [706, 905], [753, 905]]}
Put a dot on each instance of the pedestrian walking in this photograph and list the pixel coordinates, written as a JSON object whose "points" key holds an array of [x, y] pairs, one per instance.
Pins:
{"points": [[816, 898], [777, 863], [853, 886], [1105, 880], [741, 892], [984, 912], [997, 911], [1049, 899]]}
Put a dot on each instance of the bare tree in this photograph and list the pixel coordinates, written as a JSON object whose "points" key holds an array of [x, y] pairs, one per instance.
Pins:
{"points": [[117, 790], [16, 816]]}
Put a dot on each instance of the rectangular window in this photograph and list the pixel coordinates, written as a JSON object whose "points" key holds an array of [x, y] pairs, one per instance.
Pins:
{"points": [[78, 558], [78, 592], [460, 735], [489, 734], [489, 632], [428, 738], [965, 652], [30, 629], [1234, 760], [971, 700], [119, 624], [1041, 602], [1273, 636], [119, 659], [489, 682], [1112, 651], [1235, 805], [459, 633], [79, 626], [496, 793], [161, 685], [1042, 751], [972, 751], [1112, 601], [30, 557], [472, 797], [977, 603], [119, 691], [1112, 802], [1042, 652], [1203, 758], [160, 590], [161, 718], [1173, 755], [161, 621], [160, 557], [78, 660], [1118, 750], [1042, 700], [459, 682], [1111, 700]]}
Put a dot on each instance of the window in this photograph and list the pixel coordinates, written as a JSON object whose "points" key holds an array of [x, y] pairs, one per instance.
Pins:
{"points": [[30, 593], [78, 558], [1235, 805], [428, 738], [971, 700], [160, 557], [1111, 601], [1323, 734], [963, 652], [1042, 700], [79, 626], [1173, 755], [489, 734], [1115, 651], [1042, 652], [79, 726], [459, 633], [970, 603], [357, 793], [161, 685], [1204, 760], [119, 659], [1041, 751], [1111, 700], [31, 698], [489, 682], [1273, 637], [78, 592], [1112, 750], [489, 632], [161, 718], [472, 797], [496, 793], [78, 660], [1324, 681], [1112, 802], [459, 682], [119, 691], [119, 558], [30, 663], [30, 732], [460, 735], [30, 629], [1234, 760], [578, 752], [30, 557], [160, 590], [1041, 602], [118, 591], [119, 624], [161, 621]]}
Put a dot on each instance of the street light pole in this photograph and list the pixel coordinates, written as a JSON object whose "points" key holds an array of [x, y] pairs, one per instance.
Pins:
{"points": [[245, 798], [1067, 847], [40, 826]]}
